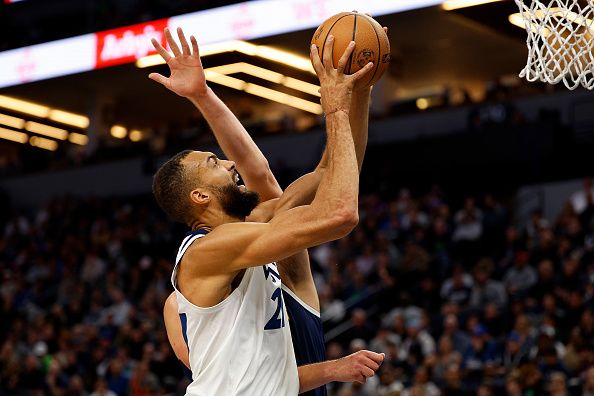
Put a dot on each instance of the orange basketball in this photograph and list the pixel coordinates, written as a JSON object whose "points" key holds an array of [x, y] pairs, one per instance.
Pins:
{"points": [[371, 43]]}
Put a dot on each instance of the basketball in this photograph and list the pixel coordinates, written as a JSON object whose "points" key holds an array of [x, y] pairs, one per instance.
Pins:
{"points": [[371, 43]]}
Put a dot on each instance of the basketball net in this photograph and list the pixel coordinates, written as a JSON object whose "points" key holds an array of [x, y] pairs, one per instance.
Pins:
{"points": [[560, 41]]}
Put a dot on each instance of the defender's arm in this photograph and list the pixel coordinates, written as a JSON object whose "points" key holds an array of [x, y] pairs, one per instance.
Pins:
{"points": [[188, 80], [174, 330], [356, 367]]}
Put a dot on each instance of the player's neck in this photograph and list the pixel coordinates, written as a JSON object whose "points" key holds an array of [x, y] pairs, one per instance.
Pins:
{"points": [[211, 221]]}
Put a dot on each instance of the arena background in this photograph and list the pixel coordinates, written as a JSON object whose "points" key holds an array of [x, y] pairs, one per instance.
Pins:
{"points": [[473, 264]]}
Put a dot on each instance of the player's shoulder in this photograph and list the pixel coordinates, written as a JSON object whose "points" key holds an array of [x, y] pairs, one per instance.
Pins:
{"points": [[221, 246]]}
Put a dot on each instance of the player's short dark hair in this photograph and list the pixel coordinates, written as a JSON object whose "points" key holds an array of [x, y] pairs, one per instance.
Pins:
{"points": [[171, 188]]}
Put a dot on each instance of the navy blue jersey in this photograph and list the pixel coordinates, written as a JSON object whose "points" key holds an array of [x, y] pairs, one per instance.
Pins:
{"points": [[307, 334]]}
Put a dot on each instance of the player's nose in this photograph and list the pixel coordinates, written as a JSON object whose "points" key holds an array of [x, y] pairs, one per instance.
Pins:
{"points": [[230, 165]]}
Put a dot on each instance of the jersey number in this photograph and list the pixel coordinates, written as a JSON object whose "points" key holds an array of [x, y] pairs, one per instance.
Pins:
{"points": [[278, 319]]}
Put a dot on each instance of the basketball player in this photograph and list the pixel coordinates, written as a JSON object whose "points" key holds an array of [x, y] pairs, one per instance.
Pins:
{"points": [[233, 313], [299, 293]]}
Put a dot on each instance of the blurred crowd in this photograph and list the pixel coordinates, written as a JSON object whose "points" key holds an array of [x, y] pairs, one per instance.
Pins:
{"points": [[462, 299]]}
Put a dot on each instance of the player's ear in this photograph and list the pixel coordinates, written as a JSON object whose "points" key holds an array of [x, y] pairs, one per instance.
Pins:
{"points": [[200, 196]]}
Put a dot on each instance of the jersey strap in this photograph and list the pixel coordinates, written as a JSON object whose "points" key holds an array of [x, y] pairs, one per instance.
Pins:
{"points": [[188, 239]]}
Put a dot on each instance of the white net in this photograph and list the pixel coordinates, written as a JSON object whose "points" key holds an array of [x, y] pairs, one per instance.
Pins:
{"points": [[560, 41]]}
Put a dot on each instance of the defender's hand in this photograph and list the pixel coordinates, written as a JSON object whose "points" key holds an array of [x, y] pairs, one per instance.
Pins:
{"points": [[336, 88], [187, 74], [357, 367]]}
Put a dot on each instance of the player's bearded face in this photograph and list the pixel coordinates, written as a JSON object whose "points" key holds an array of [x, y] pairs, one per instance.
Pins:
{"points": [[235, 201]]}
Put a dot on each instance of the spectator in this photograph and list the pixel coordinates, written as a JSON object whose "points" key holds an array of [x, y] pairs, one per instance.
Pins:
{"points": [[451, 329], [546, 280], [479, 357], [587, 386], [446, 356], [388, 383], [521, 277], [514, 354], [468, 222], [558, 384], [484, 290], [581, 200], [361, 328], [453, 382], [101, 389], [418, 343], [421, 384], [458, 288]]}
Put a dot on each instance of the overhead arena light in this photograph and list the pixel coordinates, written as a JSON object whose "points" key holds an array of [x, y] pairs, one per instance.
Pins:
{"points": [[118, 131], [268, 75], [422, 103], [23, 106], [456, 4], [555, 12], [9, 134], [78, 138], [260, 51], [14, 122], [43, 143], [136, 135], [67, 118], [46, 130], [41, 111], [263, 92]]}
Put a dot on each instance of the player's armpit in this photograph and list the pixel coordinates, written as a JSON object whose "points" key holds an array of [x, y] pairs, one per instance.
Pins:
{"points": [[264, 211], [235, 246]]}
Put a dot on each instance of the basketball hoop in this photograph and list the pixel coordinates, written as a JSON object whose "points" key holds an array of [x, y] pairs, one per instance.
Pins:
{"points": [[560, 41]]}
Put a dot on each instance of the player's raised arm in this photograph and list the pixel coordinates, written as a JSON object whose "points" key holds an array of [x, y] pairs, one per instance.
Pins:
{"points": [[302, 190], [333, 212], [188, 80]]}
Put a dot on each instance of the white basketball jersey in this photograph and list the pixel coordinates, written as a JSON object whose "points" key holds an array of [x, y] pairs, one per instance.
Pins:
{"points": [[242, 345]]}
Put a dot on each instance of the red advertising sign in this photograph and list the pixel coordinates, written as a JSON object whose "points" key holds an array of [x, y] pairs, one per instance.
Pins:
{"points": [[125, 45]]}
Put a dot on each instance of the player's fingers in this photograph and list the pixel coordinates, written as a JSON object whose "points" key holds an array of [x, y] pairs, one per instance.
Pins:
{"points": [[172, 43], [386, 29], [195, 50], [159, 78], [315, 59], [358, 75], [361, 379], [162, 51], [345, 57], [371, 364], [367, 372], [327, 55], [183, 42], [376, 357]]}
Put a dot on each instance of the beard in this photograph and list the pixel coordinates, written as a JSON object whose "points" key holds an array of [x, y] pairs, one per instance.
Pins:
{"points": [[235, 202]]}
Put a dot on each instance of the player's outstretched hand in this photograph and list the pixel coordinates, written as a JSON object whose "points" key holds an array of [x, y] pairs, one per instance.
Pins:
{"points": [[187, 74], [357, 367], [336, 88]]}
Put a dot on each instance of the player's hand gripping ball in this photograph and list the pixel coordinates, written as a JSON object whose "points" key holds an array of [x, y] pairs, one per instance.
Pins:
{"points": [[371, 44]]}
